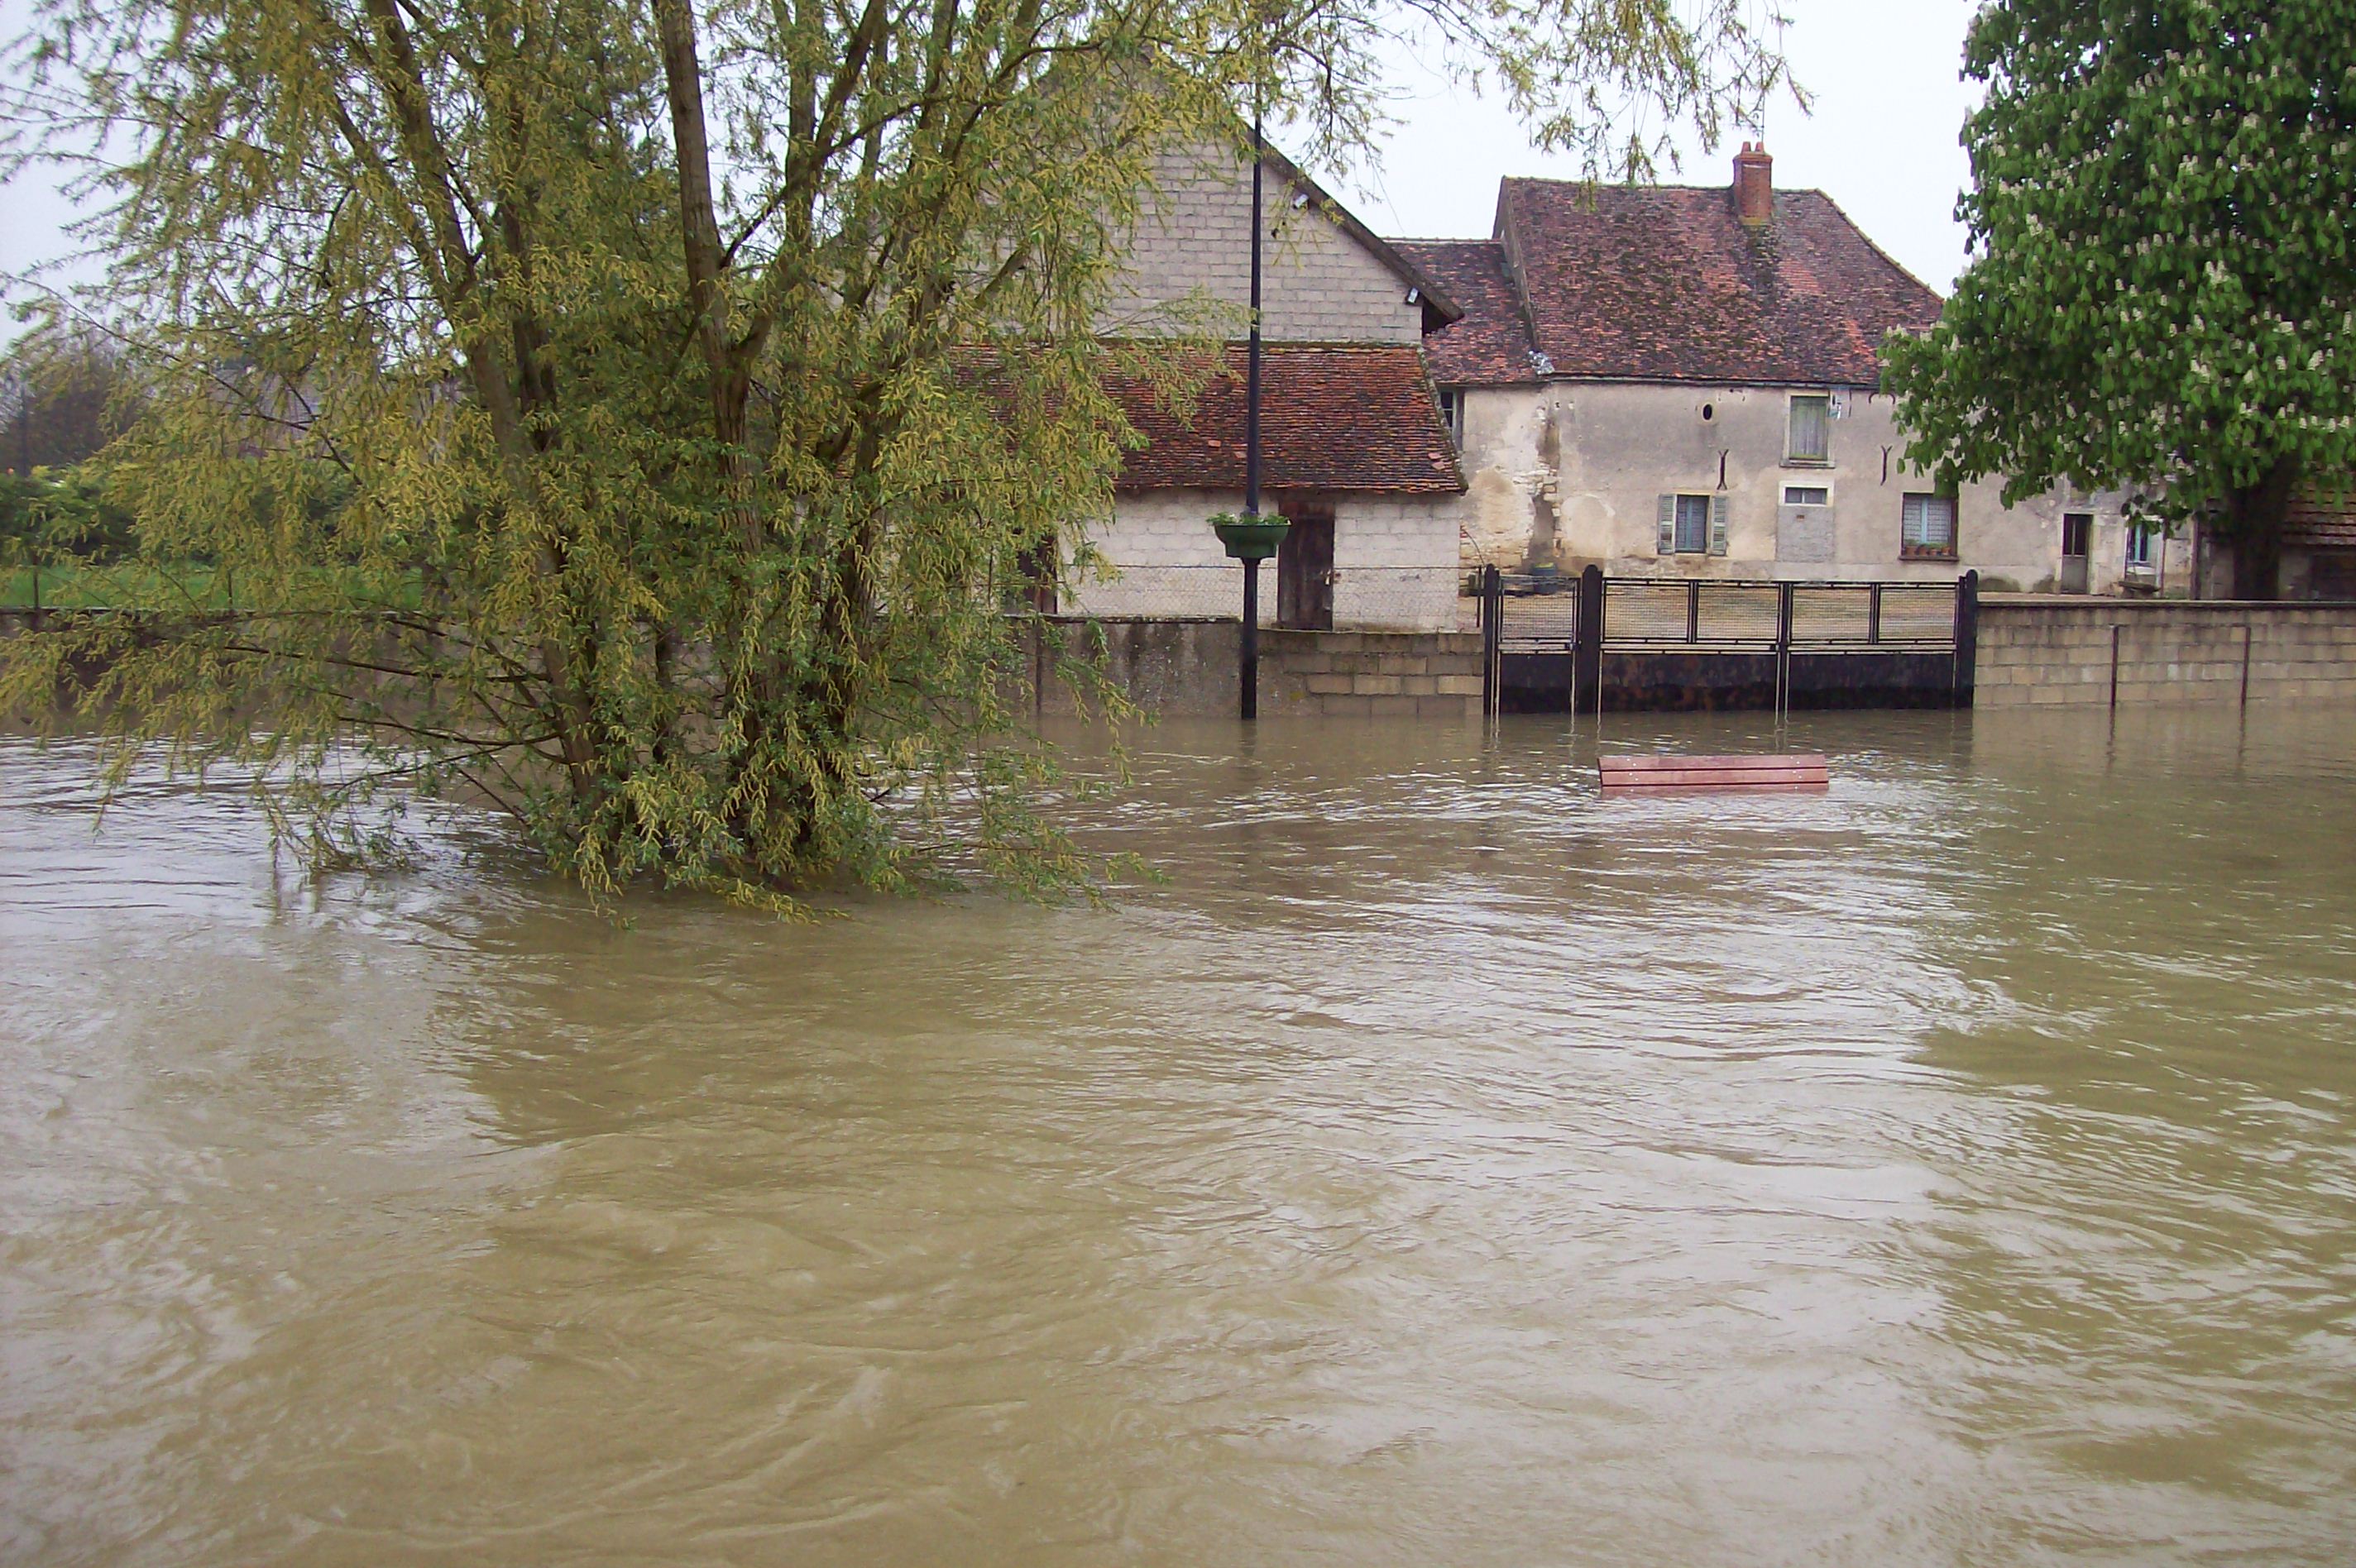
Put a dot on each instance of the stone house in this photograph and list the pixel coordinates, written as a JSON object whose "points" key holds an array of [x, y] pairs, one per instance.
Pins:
{"points": [[1353, 447], [1683, 381]]}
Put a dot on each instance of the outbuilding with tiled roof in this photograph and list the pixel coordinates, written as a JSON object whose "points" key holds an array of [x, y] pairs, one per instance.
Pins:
{"points": [[1353, 447]]}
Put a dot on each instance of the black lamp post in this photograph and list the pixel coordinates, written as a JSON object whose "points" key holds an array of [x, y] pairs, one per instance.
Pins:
{"points": [[1252, 539]]}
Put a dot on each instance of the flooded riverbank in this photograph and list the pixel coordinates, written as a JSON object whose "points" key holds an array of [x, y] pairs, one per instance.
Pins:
{"points": [[1445, 1165]]}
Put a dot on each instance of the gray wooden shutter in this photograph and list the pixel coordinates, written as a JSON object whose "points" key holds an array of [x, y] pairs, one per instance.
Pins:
{"points": [[1717, 524], [1668, 545]]}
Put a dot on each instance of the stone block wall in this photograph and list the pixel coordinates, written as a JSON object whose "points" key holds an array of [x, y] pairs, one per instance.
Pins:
{"points": [[1191, 246], [1188, 668], [1395, 564], [2037, 651], [1371, 675]]}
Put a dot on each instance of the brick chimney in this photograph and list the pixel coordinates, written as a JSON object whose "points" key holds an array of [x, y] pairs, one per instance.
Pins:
{"points": [[1754, 185]]}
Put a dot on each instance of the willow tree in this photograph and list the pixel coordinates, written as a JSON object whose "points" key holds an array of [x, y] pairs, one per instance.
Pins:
{"points": [[638, 415], [2164, 293]]}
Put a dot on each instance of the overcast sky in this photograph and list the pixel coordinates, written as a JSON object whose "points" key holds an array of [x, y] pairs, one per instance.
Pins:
{"points": [[1880, 136], [1882, 140]]}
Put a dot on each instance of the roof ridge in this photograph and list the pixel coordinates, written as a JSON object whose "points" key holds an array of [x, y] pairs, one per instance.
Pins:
{"points": [[1656, 184]]}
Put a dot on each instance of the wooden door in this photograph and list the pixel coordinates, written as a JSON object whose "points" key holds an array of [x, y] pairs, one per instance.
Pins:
{"points": [[2077, 544], [1304, 569]]}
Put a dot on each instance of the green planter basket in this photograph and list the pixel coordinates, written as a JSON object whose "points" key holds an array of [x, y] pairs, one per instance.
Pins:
{"points": [[1249, 538]]}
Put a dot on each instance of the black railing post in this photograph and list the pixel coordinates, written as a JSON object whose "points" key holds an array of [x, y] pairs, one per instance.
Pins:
{"points": [[1783, 598], [1967, 637], [1247, 651], [1693, 609], [1493, 638], [1873, 614], [1587, 644]]}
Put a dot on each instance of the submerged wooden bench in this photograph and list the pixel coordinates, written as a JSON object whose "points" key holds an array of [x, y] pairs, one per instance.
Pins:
{"points": [[1801, 770]]}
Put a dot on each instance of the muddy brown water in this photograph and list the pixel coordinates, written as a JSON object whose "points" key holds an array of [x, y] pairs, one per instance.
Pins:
{"points": [[1446, 1165]]}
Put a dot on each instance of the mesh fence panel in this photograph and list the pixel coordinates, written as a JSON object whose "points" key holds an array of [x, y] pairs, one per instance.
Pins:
{"points": [[1703, 614], [1918, 612], [1739, 613], [1839, 612], [1638, 611], [1540, 612]]}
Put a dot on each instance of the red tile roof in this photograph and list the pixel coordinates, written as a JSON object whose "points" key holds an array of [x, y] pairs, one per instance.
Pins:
{"points": [[2322, 517], [1664, 284], [1490, 345], [1357, 417]]}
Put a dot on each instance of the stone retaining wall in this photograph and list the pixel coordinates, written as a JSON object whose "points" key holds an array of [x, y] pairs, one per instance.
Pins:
{"points": [[1371, 675], [1189, 668], [2063, 652]]}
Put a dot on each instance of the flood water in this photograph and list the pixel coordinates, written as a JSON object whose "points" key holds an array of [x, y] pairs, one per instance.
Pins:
{"points": [[1445, 1165]]}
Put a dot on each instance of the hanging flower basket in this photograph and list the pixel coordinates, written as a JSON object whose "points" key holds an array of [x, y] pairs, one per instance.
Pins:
{"points": [[1249, 538]]}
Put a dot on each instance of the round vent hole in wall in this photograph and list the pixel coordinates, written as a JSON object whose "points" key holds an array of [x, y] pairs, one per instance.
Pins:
{"points": [[1708, 412]]}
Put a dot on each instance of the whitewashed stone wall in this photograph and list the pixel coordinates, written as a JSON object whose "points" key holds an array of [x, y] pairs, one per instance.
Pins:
{"points": [[1571, 474], [1192, 245], [1165, 559], [1395, 562]]}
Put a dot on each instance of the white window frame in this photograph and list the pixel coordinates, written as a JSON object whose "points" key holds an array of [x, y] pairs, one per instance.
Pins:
{"points": [[1921, 502], [2142, 546], [1823, 494], [1451, 414]]}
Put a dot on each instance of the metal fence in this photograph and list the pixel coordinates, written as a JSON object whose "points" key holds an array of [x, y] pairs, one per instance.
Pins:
{"points": [[1806, 617], [1346, 597], [1540, 612], [1559, 631]]}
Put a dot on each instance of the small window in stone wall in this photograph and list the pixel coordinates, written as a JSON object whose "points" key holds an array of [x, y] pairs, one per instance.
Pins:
{"points": [[1812, 426], [1451, 414], [1692, 525], [1927, 528], [2139, 545], [1806, 495]]}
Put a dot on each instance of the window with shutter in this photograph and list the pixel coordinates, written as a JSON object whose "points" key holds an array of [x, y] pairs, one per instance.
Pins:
{"points": [[1668, 519], [1927, 528], [1811, 429], [1693, 525], [1717, 525]]}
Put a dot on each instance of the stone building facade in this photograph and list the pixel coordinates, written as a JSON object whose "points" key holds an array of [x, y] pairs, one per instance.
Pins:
{"points": [[1682, 381]]}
